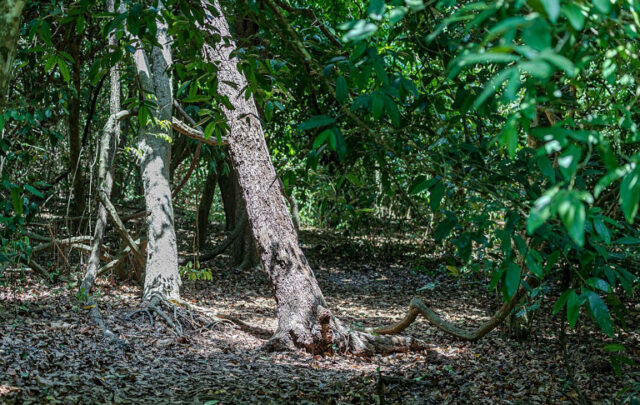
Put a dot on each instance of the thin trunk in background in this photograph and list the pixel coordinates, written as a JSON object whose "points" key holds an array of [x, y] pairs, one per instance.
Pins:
{"points": [[108, 145]]}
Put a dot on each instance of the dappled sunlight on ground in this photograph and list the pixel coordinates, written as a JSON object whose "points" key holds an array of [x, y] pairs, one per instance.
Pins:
{"points": [[49, 348]]}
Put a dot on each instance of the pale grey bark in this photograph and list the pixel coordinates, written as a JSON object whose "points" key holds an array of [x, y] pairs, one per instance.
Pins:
{"points": [[161, 274], [10, 15], [108, 145], [303, 317]]}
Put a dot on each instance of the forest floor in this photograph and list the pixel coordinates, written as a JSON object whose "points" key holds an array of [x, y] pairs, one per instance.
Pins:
{"points": [[51, 353]]}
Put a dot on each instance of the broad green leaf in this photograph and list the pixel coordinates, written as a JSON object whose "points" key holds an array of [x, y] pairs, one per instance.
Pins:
{"points": [[612, 176], [435, 195], [601, 230], [541, 210], [16, 200], [376, 9], [574, 15], [33, 191], [512, 279], [598, 284], [208, 130], [573, 214], [561, 301], [600, 311], [377, 105], [358, 30], [604, 6], [630, 194], [537, 34], [552, 7], [342, 90], [64, 70], [315, 122], [573, 308], [268, 111]]}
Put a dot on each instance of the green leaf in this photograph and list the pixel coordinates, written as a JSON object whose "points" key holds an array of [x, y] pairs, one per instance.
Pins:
{"points": [[541, 210], [143, 116], [598, 284], [574, 15], [50, 63], [358, 30], [573, 214], [208, 130], [612, 176], [376, 9], [392, 110], [559, 62], [396, 14], [614, 347], [33, 191], [315, 122], [601, 230], [512, 279], [342, 90], [544, 164], [377, 105], [420, 184], [321, 138], [537, 34], [444, 228], [64, 70], [341, 145], [268, 111], [600, 311], [573, 308], [16, 200], [435, 195], [604, 6], [509, 136], [630, 194], [561, 301], [552, 7]]}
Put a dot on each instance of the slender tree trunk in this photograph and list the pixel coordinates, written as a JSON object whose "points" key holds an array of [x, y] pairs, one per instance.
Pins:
{"points": [[161, 275], [75, 141], [243, 249], [205, 206], [303, 317], [108, 145], [10, 16]]}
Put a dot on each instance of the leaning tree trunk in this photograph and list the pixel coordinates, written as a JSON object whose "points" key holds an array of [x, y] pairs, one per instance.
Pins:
{"points": [[10, 16], [161, 274], [108, 145], [303, 317]]}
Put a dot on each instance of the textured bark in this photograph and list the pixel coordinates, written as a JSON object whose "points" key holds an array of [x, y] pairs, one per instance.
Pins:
{"points": [[303, 317], [205, 206], [108, 145], [10, 15], [161, 273]]}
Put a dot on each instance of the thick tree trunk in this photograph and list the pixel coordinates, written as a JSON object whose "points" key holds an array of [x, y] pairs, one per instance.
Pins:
{"points": [[10, 16], [161, 275], [205, 206], [303, 318]]}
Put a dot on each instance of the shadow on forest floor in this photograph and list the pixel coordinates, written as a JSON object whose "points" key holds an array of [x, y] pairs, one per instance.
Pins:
{"points": [[49, 352]]}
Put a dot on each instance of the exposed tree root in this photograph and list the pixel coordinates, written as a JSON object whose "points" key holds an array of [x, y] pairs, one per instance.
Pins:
{"points": [[417, 307], [96, 317], [177, 314]]}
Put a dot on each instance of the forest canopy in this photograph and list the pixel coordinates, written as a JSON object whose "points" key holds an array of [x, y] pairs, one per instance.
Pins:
{"points": [[488, 142]]}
